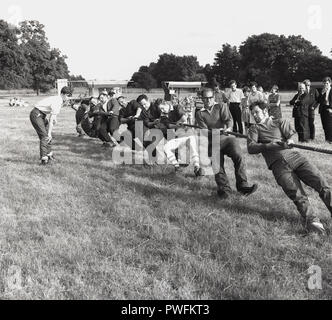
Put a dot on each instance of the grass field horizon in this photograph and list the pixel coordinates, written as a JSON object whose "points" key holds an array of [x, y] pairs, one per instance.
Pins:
{"points": [[87, 228]]}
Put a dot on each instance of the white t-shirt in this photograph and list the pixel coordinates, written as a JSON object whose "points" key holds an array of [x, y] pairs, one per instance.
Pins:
{"points": [[235, 96], [50, 105]]}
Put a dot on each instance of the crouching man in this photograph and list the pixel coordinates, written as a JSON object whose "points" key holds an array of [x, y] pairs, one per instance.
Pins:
{"points": [[272, 138]]}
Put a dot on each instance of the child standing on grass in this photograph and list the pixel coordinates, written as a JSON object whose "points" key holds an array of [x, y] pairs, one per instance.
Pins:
{"points": [[43, 126], [246, 116]]}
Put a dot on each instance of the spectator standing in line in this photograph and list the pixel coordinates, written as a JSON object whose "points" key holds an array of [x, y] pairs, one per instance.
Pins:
{"points": [[234, 97], [246, 115], [255, 95], [325, 106], [274, 103], [313, 95], [300, 103]]}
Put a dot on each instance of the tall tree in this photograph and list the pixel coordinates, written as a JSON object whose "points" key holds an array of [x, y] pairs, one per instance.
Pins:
{"points": [[176, 68], [169, 67], [46, 64], [209, 74], [314, 67], [227, 64], [14, 72], [143, 79], [269, 58]]}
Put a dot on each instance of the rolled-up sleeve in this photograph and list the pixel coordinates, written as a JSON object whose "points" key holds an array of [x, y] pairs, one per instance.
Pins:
{"points": [[287, 129]]}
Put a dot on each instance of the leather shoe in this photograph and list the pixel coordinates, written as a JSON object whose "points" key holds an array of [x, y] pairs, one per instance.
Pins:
{"points": [[248, 190], [222, 194]]}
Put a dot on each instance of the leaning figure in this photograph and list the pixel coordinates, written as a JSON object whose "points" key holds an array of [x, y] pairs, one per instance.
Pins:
{"points": [[272, 138], [51, 107]]}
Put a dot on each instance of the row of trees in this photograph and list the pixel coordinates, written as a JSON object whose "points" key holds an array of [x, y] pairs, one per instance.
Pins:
{"points": [[27, 60], [266, 58], [168, 67]]}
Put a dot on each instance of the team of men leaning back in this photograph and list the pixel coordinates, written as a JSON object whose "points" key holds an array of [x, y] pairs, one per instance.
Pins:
{"points": [[180, 124]]}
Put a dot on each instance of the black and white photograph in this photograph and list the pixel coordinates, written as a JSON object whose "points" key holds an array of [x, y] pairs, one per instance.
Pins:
{"points": [[165, 151]]}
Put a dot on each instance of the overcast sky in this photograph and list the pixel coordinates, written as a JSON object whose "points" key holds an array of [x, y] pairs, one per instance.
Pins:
{"points": [[107, 39]]}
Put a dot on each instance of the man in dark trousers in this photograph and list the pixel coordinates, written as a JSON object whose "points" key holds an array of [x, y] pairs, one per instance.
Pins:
{"points": [[82, 110], [217, 117], [301, 102], [234, 97], [113, 107], [100, 122], [325, 107], [48, 106], [272, 137], [313, 96], [150, 116], [128, 115], [85, 123]]}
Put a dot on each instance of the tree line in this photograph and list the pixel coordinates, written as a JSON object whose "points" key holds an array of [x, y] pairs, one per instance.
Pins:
{"points": [[27, 59], [266, 58]]}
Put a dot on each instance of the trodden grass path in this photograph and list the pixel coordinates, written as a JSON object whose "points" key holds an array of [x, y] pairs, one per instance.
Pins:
{"points": [[85, 228]]}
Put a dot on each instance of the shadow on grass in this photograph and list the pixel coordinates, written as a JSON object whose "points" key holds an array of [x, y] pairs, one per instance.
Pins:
{"points": [[165, 178], [90, 148]]}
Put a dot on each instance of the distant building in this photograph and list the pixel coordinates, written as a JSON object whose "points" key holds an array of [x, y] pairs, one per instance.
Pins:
{"points": [[94, 87], [173, 88]]}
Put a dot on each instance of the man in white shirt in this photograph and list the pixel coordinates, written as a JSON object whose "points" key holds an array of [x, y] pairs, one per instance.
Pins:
{"points": [[43, 126], [234, 97]]}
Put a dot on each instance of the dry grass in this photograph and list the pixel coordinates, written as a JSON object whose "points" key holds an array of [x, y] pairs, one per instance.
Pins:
{"points": [[87, 228]]}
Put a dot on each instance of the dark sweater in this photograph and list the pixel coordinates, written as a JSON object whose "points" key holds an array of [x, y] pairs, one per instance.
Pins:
{"points": [[219, 117]]}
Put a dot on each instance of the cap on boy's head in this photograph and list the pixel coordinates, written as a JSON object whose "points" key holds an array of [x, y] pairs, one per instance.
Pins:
{"points": [[65, 91]]}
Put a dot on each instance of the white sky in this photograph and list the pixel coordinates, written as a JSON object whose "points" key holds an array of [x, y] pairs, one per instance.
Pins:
{"points": [[108, 39]]}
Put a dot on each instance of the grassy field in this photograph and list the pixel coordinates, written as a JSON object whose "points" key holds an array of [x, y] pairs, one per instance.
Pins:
{"points": [[86, 228]]}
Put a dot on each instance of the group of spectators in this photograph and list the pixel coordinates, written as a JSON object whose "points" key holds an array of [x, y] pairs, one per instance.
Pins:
{"points": [[17, 102], [305, 102]]}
